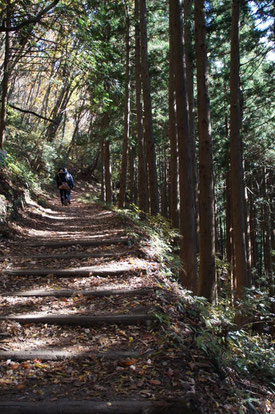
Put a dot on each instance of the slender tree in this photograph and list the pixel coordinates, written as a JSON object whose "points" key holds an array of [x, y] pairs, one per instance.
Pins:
{"points": [[4, 85], [142, 171], [237, 176], [123, 172], [107, 168], [173, 167], [148, 120], [187, 194], [189, 58], [206, 185]]}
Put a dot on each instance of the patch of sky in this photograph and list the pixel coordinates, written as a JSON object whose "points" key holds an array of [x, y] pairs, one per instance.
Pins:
{"points": [[264, 24]]}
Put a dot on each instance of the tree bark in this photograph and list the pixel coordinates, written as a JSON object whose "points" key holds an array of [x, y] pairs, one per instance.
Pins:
{"points": [[5, 81], [148, 120], [267, 226], [76, 128], [164, 199], [237, 175], [58, 111], [189, 58], [187, 197], [132, 176], [173, 166], [252, 216], [107, 165], [207, 282], [102, 171], [123, 171], [142, 175]]}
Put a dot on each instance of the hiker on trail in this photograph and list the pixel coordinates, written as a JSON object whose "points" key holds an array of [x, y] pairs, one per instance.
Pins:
{"points": [[65, 183]]}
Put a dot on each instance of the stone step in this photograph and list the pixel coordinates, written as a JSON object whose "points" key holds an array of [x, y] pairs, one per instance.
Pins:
{"points": [[72, 292], [88, 242], [97, 407], [59, 354], [81, 320], [113, 270], [71, 255]]}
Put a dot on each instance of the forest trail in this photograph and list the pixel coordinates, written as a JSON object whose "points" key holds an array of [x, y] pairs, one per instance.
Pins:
{"points": [[77, 323], [84, 323]]}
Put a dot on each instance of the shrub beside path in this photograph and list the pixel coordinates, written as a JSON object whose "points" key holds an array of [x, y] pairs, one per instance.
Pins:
{"points": [[89, 323]]}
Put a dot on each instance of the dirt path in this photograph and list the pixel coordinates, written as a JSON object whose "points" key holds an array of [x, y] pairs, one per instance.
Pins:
{"points": [[83, 323], [77, 322]]}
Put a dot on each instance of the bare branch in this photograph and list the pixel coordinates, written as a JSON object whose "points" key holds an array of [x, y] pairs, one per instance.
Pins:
{"points": [[34, 19], [31, 112]]}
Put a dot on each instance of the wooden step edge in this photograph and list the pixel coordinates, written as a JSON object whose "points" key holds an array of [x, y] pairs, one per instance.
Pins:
{"points": [[87, 242], [82, 320], [69, 256], [97, 407], [59, 354], [71, 292], [77, 272]]}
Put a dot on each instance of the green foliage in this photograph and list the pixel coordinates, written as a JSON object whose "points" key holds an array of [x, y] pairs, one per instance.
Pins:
{"points": [[242, 349], [158, 233], [29, 156], [18, 171], [252, 354], [163, 318]]}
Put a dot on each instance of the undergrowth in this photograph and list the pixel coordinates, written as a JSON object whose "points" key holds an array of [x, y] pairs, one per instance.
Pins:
{"points": [[242, 351], [158, 233]]}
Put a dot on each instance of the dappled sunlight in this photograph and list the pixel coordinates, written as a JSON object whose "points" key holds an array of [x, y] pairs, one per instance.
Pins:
{"points": [[105, 213], [55, 343], [132, 264], [57, 217], [79, 235]]}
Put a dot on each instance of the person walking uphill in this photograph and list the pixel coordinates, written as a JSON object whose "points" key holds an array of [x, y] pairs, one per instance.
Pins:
{"points": [[65, 183]]}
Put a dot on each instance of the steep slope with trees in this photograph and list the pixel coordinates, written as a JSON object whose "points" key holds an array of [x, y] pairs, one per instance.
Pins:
{"points": [[168, 106]]}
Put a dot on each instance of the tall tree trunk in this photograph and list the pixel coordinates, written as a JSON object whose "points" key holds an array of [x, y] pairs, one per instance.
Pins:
{"points": [[123, 171], [252, 216], [107, 167], [142, 174], [164, 204], [248, 231], [221, 238], [76, 128], [59, 109], [206, 184], [189, 59], [272, 216], [237, 175], [228, 210], [5, 81], [173, 166], [102, 170], [131, 173], [187, 194], [148, 120], [267, 226]]}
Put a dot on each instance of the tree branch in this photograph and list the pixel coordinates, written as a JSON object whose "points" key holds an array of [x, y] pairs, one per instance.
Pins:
{"points": [[34, 19], [31, 112]]}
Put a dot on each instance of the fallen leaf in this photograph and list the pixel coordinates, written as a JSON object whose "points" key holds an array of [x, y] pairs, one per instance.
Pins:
{"points": [[128, 362], [155, 382]]}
